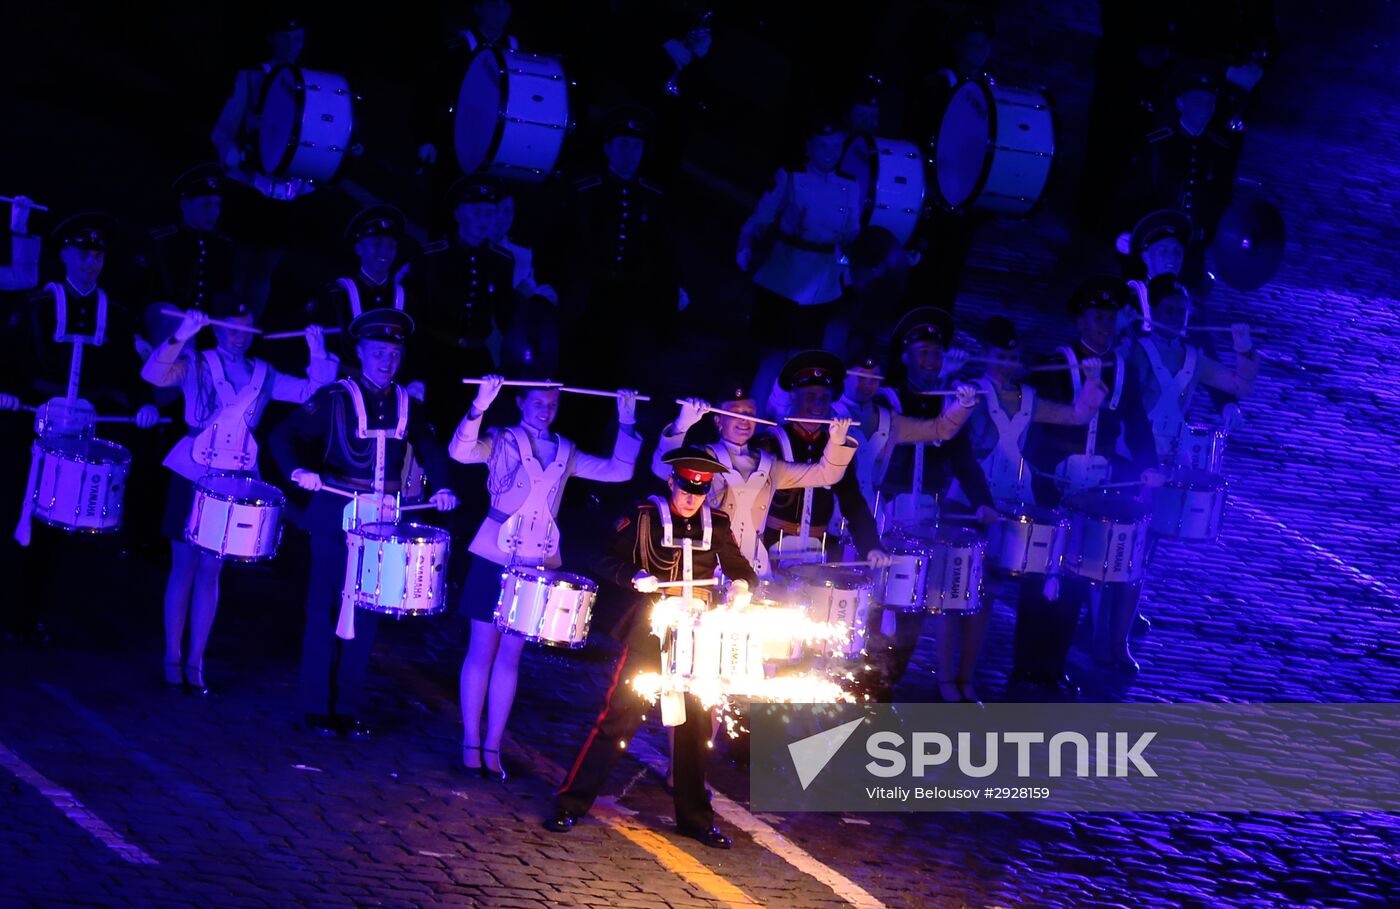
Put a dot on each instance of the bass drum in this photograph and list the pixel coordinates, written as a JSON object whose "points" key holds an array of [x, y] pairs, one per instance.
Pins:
{"points": [[304, 122], [994, 148], [512, 114]]}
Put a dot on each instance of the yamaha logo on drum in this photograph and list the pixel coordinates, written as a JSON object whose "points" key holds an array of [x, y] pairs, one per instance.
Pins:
{"points": [[1120, 552], [955, 588], [94, 495]]}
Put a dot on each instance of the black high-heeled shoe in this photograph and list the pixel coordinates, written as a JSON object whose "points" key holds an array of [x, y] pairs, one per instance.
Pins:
{"points": [[499, 775], [194, 681], [461, 762], [178, 683]]}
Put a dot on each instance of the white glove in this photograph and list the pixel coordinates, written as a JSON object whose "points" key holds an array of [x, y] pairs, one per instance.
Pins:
{"points": [[443, 500], [307, 479], [878, 558], [427, 153], [967, 395], [1234, 418], [19, 214], [147, 416], [627, 407], [743, 257], [738, 593], [680, 54], [8, 402], [233, 157], [486, 392], [682, 300], [692, 409], [839, 428], [645, 583], [697, 41], [416, 390], [1239, 333], [190, 325], [316, 341], [1051, 588], [953, 361]]}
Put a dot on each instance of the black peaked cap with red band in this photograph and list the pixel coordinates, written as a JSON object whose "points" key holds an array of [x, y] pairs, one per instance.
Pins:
{"points": [[693, 468]]}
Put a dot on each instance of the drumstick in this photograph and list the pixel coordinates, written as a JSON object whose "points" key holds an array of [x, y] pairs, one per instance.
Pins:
{"points": [[600, 394], [865, 564], [949, 393], [279, 335], [810, 420], [518, 384], [33, 206], [180, 314], [708, 582], [730, 413], [344, 492], [126, 420], [1223, 329], [1123, 485], [419, 507]]}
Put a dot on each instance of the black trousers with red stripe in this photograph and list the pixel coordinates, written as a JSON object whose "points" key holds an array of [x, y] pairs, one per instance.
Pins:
{"points": [[621, 716]]}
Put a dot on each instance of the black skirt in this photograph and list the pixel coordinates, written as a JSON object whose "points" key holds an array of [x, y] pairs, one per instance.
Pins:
{"points": [[179, 501], [481, 590]]}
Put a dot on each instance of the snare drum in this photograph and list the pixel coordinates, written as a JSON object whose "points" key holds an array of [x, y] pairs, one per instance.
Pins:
{"points": [[714, 646], [396, 569], [1201, 447], [994, 148], [897, 190], [1107, 536], [551, 607], [236, 518], [837, 596], [1031, 540], [903, 584], [80, 484], [512, 114], [1190, 505], [955, 560], [304, 123]]}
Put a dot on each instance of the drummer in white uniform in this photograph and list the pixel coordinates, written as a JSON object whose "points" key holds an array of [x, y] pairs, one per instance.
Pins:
{"points": [[802, 221], [527, 466], [226, 392], [745, 489], [1169, 370]]}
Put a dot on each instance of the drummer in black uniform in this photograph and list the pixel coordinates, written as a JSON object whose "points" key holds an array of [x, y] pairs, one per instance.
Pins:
{"points": [[624, 289], [374, 233], [332, 666], [468, 285], [813, 378], [646, 548], [187, 263], [1045, 624]]}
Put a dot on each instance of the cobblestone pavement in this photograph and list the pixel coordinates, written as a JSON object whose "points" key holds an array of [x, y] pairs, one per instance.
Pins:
{"points": [[116, 792]]}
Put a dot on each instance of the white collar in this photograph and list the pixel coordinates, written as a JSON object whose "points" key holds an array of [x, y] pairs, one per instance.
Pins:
{"points": [[77, 290], [368, 277]]}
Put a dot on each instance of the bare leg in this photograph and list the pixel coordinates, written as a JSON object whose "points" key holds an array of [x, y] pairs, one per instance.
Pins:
{"points": [[949, 634], [974, 632], [183, 560], [476, 674], [204, 603], [505, 672]]}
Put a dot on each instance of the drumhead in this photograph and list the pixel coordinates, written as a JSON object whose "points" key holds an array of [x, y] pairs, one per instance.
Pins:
{"points": [[1115, 505], [279, 119], [1035, 514], [477, 123], [240, 490], [403, 532], [841, 578], [964, 146], [88, 451]]}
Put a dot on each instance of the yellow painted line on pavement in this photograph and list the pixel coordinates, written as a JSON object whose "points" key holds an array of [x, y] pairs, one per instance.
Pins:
{"points": [[680, 862]]}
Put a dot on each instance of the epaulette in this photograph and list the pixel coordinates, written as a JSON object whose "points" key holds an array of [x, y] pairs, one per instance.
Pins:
{"points": [[435, 247], [716, 513], [651, 186], [1157, 135], [160, 233], [588, 182]]}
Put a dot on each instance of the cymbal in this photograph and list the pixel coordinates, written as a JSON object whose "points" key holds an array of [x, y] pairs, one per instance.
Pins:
{"points": [[1249, 244]]}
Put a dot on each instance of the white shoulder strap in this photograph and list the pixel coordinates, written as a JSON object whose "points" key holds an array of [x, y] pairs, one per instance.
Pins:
{"points": [[352, 292]]}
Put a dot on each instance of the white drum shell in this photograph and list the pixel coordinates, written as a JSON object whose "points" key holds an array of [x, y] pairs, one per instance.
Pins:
{"points": [[1201, 448], [397, 569], [838, 596], [550, 607], [236, 518], [80, 484], [994, 148], [904, 584], [1027, 541], [512, 115], [1107, 541], [955, 564], [898, 189], [1190, 506]]}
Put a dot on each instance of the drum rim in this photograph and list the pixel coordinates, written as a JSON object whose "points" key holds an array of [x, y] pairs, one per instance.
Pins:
{"points": [[438, 535], [401, 612], [294, 137], [52, 447], [585, 583], [499, 130], [201, 490], [539, 638]]}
